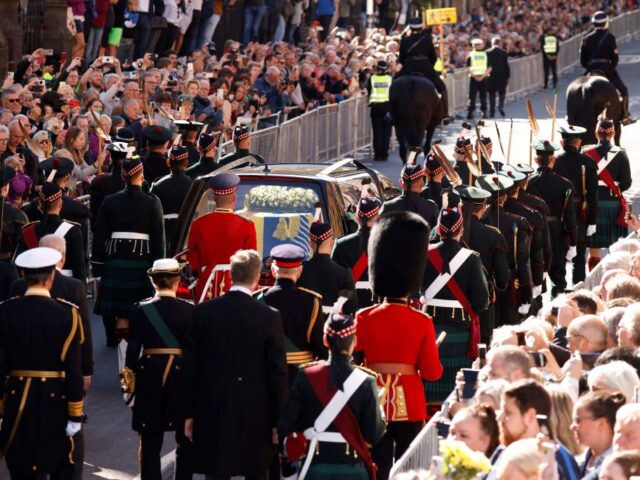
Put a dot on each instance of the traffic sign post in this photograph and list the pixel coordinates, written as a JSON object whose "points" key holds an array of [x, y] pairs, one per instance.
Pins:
{"points": [[440, 17]]}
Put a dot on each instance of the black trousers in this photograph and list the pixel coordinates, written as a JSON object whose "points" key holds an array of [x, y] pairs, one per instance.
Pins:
{"points": [[475, 88], [398, 435], [558, 267], [612, 74], [150, 447], [65, 472], [78, 455], [580, 260], [499, 90], [549, 64], [381, 130]]}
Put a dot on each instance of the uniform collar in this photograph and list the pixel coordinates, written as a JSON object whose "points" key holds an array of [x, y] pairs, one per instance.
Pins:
{"points": [[241, 289], [285, 282], [396, 301], [165, 293], [224, 210], [37, 292]]}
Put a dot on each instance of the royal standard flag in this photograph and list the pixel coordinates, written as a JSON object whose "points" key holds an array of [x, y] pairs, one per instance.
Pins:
{"points": [[274, 229]]}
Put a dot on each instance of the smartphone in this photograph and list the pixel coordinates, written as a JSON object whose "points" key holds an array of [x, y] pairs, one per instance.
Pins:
{"points": [[62, 84], [521, 339], [63, 58], [10, 75], [189, 68], [470, 382], [539, 360], [47, 52], [442, 429]]}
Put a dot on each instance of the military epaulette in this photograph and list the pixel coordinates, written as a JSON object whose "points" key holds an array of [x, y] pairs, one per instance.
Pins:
{"points": [[145, 301], [244, 216], [373, 373], [421, 312], [311, 364], [66, 302], [30, 223], [315, 294], [9, 299]]}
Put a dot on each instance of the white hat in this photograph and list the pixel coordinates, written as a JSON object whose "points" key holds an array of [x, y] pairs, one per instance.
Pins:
{"points": [[477, 41], [165, 266], [39, 258]]}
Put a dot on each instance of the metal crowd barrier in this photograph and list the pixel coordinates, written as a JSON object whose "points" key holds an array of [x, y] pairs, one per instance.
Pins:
{"points": [[324, 134]]}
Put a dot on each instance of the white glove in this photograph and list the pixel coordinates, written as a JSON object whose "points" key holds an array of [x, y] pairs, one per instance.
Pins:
{"points": [[72, 428], [524, 308], [591, 229], [536, 291], [571, 253]]}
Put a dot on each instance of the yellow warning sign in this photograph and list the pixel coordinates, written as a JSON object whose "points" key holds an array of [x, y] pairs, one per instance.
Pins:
{"points": [[439, 16]]}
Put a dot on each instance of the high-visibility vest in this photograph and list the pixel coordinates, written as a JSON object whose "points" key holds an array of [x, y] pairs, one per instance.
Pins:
{"points": [[550, 45], [438, 66], [380, 85], [479, 63]]}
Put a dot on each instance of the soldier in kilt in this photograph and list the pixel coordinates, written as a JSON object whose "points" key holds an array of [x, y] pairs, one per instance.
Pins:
{"points": [[127, 238], [614, 178], [454, 304]]}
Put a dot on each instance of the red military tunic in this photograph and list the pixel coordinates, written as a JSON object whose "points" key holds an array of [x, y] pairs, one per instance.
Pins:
{"points": [[394, 333], [213, 239]]}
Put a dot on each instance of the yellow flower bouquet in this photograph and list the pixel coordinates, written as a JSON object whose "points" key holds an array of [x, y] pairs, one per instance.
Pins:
{"points": [[459, 462]]}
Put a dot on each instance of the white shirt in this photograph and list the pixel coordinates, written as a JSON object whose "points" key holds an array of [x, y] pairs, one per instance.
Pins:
{"points": [[239, 288], [143, 6]]}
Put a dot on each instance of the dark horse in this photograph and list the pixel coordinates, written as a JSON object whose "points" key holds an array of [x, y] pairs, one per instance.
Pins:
{"points": [[415, 109], [587, 97]]}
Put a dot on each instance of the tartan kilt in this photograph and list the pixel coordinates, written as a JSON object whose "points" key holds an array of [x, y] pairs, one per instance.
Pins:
{"points": [[608, 230], [337, 471], [453, 356], [123, 283]]}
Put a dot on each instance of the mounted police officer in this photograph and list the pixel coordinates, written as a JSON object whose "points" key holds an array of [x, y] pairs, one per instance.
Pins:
{"points": [[550, 47], [582, 171], [557, 192], [599, 53], [333, 445], [378, 89], [418, 56], [479, 70], [614, 178]]}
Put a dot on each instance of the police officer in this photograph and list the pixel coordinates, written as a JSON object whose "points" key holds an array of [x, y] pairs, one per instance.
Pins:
{"points": [[154, 369], [614, 178], [313, 387], [108, 183], [301, 309], [155, 161], [351, 250], [51, 203], [40, 361], [412, 181], [324, 275], [216, 236], [516, 298], [172, 189], [490, 244], [557, 192], [479, 70], [208, 148], [378, 89], [537, 222], [599, 52], [582, 171], [128, 237], [242, 142], [550, 46], [395, 340], [418, 55]]}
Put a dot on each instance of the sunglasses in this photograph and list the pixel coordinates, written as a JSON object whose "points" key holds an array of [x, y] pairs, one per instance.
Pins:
{"points": [[13, 100]]}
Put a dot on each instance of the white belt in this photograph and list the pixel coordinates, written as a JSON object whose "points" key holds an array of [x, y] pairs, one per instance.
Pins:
{"points": [[332, 437], [364, 285], [438, 302], [171, 216], [67, 273], [602, 184], [129, 236]]}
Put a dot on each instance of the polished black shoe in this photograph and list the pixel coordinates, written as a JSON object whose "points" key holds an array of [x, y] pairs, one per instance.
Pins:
{"points": [[502, 112], [628, 121]]}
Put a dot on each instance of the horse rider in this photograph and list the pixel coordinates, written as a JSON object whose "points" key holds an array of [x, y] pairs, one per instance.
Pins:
{"points": [[418, 55], [550, 46], [599, 52], [479, 71], [379, 86]]}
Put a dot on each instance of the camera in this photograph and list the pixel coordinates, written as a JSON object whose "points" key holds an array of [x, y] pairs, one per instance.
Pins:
{"points": [[172, 83]]}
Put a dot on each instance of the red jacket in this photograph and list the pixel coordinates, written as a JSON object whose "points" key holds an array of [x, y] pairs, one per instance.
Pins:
{"points": [[102, 7], [397, 333], [214, 237]]}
